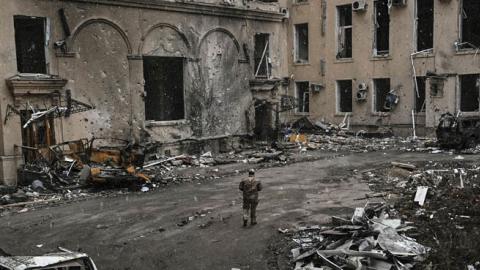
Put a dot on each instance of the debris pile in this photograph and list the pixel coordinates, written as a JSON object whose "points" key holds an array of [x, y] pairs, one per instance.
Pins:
{"points": [[371, 239], [338, 138], [74, 169], [442, 199], [82, 162], [165, 170]]}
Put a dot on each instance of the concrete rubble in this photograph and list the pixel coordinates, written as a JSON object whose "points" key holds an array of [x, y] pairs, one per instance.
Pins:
{"points": [[440, 198], [370, 240]]}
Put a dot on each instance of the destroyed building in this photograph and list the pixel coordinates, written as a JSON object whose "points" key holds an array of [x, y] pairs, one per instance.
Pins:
{"points": [[215, 70], [136, 70], [383, 63]]}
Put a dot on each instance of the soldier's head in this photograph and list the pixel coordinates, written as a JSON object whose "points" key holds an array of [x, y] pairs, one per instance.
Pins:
{"points": [[251, 173]]}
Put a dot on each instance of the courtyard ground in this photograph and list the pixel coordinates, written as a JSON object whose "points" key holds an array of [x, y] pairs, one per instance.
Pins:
{"points": [[198, 225]]}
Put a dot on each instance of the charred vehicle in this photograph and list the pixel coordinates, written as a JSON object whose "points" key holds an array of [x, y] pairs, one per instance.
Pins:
{"points": [[64, 259], [458, 132]]}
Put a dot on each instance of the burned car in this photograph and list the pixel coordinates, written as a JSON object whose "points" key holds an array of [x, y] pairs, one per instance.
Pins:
{"points": [[64, 259], [460, 132]]}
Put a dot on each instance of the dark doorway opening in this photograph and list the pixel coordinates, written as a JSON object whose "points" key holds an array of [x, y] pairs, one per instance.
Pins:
{"points": [[30, 44], [38, 134], [164, 99], [264, 125]]}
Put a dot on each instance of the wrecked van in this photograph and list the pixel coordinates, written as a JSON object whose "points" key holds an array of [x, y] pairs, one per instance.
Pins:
{"points": [[458, 132], [64, 259]]}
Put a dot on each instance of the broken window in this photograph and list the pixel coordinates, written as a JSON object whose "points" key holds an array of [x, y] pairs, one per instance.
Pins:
{"points": [[303, 96], [382, 27], [164, 88], [470, 22], [30, 44], [382, 89], [424, 25], [344, 96], [301, 43], [262, 55], [344, 46], [419, 94], [469, 88]]}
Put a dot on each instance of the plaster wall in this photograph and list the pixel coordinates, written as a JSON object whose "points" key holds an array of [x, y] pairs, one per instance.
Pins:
{"points": [[103, 65], [363, 67]]}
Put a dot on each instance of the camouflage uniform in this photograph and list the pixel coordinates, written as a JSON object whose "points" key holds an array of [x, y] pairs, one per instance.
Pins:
{"points": [[250, 187]]}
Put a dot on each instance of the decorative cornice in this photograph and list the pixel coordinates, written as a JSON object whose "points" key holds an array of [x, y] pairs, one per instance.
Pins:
{"points": [[193, 8], [31, 85]]}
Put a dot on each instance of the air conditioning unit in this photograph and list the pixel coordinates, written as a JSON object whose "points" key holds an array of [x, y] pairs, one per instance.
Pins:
{"points": [[285, 12], [362, 87], [316, 87], [359, 5], [362, 92], [362, 95], [399, 3]]}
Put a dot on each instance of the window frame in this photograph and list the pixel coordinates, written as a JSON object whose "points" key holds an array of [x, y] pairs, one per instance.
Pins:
{"points": [[339, 30], [298, 110], [46, 41], [339, 96], [152, 122], [375, 34], [296, 50], [417, 28], [374, 93], [460, 29], [459, 97], [267, 57], [415, 97]]}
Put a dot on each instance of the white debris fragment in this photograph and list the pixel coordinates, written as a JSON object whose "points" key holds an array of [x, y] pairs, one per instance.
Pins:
{"points": [[421, 195]]}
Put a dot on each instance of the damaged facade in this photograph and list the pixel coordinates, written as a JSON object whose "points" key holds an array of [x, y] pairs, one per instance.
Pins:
{"points": [[158, 71], [404, 60]]}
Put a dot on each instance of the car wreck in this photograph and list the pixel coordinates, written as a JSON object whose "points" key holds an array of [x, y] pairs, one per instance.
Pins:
{"points": [[63, 259], [458, 132]]}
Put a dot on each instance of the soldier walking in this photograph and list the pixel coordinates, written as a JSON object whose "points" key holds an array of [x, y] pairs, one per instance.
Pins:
{"points": [[250, 188]]}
